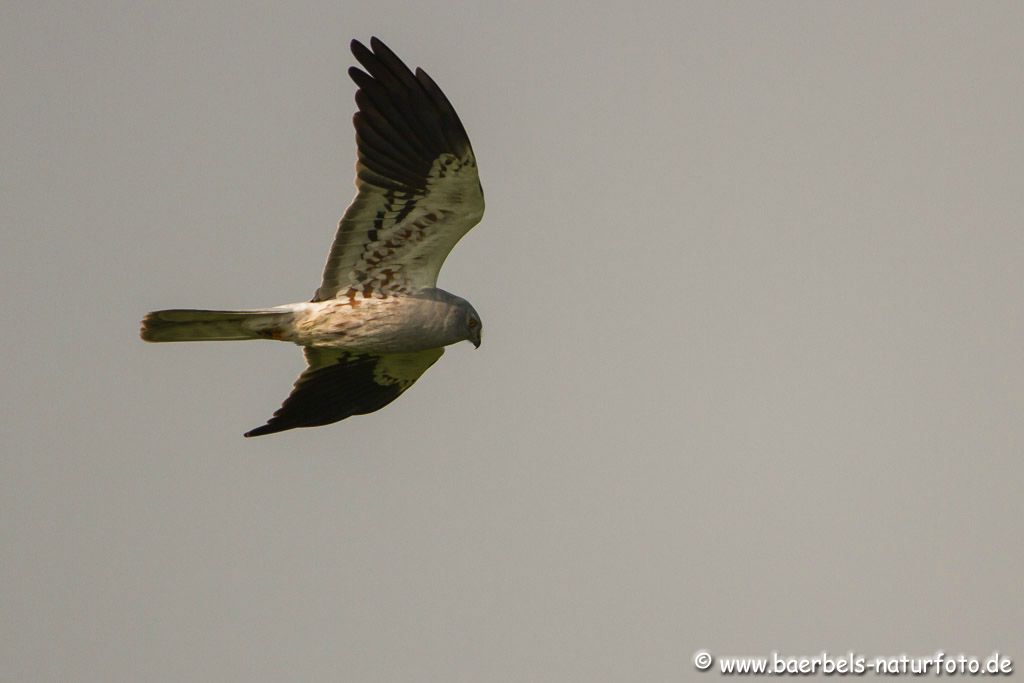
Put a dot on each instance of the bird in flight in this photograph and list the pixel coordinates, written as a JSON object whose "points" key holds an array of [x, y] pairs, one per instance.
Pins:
{"points": [[378, 320]]}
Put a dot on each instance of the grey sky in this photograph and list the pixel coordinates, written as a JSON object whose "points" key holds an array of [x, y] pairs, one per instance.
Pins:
{"points": [[752, 376]]}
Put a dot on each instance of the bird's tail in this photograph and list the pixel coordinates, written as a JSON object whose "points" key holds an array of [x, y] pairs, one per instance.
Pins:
{"points": [[194, 325]]}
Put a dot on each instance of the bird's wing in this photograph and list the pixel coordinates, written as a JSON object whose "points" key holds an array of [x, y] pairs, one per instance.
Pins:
{"points": [[417, 182], [338, 384]]}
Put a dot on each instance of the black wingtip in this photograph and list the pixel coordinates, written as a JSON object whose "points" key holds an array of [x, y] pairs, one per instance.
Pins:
{"points": [[283, 423], [267, 429], [358, 75], [357, 46]]}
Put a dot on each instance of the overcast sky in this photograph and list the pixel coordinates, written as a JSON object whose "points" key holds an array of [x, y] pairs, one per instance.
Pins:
{"points": [[751, 380]]}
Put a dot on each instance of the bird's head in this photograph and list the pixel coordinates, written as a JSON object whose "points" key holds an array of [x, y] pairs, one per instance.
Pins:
{"points": [[461, 321], [474, 328]]}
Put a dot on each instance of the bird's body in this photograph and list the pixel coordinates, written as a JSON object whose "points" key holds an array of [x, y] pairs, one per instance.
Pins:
{"points": [[423, 320], [396, 324], [377, 321]]}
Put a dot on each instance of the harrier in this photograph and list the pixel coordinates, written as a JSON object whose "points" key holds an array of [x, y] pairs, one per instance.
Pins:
{"points": [[378, 320]]}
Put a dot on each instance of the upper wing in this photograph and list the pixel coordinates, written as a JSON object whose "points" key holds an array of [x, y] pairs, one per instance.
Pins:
{"points": [[338, 384], [418, 188]]}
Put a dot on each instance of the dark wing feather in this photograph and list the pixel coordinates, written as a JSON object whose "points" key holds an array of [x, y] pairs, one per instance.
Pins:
{"points": [[338, 384], [418, 187]]}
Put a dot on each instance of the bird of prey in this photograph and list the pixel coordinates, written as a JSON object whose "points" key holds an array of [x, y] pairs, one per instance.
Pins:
{"points": [[378, 320]]}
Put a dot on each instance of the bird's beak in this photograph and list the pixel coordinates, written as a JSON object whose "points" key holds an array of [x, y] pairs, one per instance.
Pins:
{"points": [[476, 340]]}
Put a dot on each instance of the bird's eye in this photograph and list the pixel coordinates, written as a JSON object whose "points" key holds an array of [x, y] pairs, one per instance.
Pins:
{"points": [[473, 323]]}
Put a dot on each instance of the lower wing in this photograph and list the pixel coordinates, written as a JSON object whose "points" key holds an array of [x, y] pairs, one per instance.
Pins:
{"points": [[338, 384]]}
